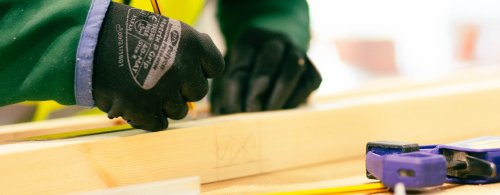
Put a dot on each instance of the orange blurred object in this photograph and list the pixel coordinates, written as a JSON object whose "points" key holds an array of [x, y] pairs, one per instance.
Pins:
{"points": [[377, 55]]}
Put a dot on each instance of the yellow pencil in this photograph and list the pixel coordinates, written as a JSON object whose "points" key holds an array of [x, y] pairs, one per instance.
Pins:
{"points": [[156, 8], [192, 111]]}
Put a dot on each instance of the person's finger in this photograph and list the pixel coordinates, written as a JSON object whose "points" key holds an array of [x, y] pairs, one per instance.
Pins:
{"points": [[152, 121], [175, 107], [145, 116], [212, 62], [215, 97], [292, 68], [236, 79], [195, 88], [115, 109], [309, 81], [261, 80], [232, 100]]}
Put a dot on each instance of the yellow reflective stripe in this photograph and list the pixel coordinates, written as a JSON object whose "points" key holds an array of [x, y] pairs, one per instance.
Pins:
{"points": [[142, 4], [186, 11], [44, 109]]}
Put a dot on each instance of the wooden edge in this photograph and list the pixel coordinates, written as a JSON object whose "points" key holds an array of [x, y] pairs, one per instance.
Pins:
{"points": [[185, 186], [9, 133]]}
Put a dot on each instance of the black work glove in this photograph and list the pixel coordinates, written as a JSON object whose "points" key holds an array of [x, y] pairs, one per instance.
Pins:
{"points": [[265, 71], [147, 66]]}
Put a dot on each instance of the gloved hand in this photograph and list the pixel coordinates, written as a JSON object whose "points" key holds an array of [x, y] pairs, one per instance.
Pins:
{"points": [[265, 71], [148, 66]]}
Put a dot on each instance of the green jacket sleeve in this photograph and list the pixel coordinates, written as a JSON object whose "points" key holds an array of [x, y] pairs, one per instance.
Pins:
{"points": [[289, 17], [39, 43]]}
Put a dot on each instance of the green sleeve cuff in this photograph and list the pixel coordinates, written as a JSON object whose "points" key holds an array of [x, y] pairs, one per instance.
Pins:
{"points": [[85, 52]]}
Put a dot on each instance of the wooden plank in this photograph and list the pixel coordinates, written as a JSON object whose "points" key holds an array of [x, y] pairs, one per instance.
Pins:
{"points": [[238, 145], [307, 177], [8, 133], [398, 83], [184, 186]]}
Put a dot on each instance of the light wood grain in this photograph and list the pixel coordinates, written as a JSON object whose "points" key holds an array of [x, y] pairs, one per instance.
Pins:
{"points": [[179, 186], [239, 145]]}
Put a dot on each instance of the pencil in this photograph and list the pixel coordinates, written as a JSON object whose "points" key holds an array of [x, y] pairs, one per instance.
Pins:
{"points": [[156, 8]]}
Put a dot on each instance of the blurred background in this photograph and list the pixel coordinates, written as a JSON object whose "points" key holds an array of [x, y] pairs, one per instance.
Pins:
{"points": [[357, 42]]}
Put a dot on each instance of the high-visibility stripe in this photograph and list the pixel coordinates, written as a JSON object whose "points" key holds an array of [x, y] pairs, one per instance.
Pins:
{"points": [[186, 11]]}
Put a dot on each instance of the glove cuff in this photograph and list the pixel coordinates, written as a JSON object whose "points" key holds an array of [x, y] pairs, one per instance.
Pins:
{"points": [[85, 52]]}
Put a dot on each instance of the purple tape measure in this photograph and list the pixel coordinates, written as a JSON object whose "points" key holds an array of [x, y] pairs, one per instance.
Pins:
{"points": [[472, 161]]}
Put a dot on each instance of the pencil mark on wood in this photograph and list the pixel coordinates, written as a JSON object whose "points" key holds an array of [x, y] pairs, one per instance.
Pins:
{"points": [[237, 148]]}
